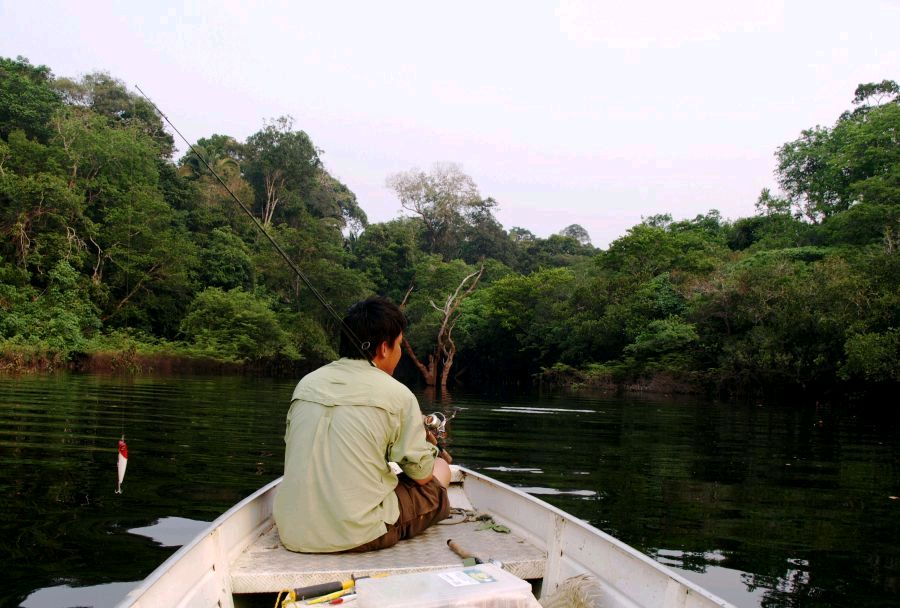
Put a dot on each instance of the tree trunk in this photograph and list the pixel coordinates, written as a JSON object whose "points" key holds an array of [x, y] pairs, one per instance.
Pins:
{"points": [[445, 349], [274, 184], [429, 372], [448, 363]]}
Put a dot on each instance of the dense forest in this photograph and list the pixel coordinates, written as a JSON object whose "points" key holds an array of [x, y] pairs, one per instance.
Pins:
{"points": [[114, 248]]}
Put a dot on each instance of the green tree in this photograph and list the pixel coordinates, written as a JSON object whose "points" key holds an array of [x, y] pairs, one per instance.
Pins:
{"points": [[482, 236], [280, 163], [194, 163], [211, 205], [138, 249], [235, 325], [577, 232], [521, 235], [782, 317], [872, 95], [27, 99], [225, 261], [808, 174], [518, 323], [57, 319], [446, 200], [316, 247], [109, 97], [212, 149], [388, 253], [773, 226], [329, 198], [826, 171], [666, 344], [874, 357], [692, 247], [434, 310], [42, 218], [556, 251]]}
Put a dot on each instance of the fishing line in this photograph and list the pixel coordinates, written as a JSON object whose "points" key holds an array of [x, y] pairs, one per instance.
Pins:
{"points": [[122, 447], [344, 327]]}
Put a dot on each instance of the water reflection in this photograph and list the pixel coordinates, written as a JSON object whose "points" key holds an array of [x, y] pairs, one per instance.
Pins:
{"points": [[172, 531], [64, 596]]}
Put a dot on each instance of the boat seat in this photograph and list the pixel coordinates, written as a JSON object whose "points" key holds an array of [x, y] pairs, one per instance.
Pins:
{"points": [[266, 566]]}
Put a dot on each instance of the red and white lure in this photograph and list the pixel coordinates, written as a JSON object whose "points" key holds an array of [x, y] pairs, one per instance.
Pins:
{"points": [[122, 463]]}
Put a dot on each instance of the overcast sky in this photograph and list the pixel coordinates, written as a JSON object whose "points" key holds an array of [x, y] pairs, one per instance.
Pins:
{"points": [[595, 113]]}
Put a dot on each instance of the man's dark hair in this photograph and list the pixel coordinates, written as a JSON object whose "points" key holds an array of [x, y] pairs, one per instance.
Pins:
{"points": [[373, 321]]}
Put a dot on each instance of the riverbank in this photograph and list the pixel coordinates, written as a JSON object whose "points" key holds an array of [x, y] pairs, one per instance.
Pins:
{"points": [[711, 384], [27, 360], [602, 379], [164, 358]]}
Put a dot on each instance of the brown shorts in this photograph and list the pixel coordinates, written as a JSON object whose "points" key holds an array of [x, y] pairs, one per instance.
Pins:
{"points": [[420, 507]]}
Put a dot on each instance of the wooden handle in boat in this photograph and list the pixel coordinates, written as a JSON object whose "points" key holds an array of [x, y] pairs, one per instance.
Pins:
{"points": [[456, 548]]}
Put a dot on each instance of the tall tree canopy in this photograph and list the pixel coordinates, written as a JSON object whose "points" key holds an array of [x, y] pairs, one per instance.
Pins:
{"points": [[109, 97], [828, 170], [27, 98], [281, 164], [447, 202], [577, 232]]}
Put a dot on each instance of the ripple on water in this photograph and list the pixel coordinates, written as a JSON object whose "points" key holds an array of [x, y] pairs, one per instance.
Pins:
{"points": [[514, 469], [539, 410], [557, 492]]}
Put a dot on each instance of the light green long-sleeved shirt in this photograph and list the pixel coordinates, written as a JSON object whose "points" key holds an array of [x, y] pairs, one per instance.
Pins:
{"points": [[346, 422]]}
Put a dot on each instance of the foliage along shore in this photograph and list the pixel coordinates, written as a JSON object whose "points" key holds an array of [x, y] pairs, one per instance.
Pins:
{"points": [[140, 358], [116, 255]]}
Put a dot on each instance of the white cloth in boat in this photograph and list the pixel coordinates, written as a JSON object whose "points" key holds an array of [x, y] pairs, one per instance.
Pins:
{"points": [[347, 420]]}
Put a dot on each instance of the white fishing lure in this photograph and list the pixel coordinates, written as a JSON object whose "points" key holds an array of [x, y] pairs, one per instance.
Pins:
{"points": [[122, 463]]}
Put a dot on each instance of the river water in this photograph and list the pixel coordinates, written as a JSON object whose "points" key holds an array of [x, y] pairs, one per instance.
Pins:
{"points": [[763, 505]]}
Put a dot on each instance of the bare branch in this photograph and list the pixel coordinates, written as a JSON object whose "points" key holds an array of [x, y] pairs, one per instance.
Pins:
{"points": [[406, 297], [445, 348], [124, 300]]}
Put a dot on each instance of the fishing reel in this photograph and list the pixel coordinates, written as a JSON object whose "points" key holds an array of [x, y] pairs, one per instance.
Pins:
{"points": [[436, 422]]}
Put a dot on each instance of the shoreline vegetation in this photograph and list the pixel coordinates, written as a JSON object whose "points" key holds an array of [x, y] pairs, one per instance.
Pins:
{"points": [[118, 257], [127, 356], [175, 360]]}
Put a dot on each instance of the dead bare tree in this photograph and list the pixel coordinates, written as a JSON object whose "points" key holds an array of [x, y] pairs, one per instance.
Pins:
{"points": [[441, 358]]}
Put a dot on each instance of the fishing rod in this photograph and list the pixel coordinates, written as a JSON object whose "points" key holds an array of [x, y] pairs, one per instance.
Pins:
{"points": [[344, 327]]}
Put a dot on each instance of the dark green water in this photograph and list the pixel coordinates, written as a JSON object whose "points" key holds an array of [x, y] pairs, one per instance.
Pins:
{"points": [[765, 506]]}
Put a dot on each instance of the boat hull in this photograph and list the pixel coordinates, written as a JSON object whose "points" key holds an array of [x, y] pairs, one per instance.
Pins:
{"points": [[208, 570]]}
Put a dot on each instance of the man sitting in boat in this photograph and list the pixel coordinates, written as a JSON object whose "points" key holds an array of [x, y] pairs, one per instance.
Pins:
{"points": [[346, 422]]}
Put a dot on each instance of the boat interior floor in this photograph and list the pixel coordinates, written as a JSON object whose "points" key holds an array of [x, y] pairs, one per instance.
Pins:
{"points": [[266, 566]]}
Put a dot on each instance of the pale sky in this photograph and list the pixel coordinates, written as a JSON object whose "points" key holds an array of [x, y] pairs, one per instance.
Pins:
{"points": [[595, 113]]}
